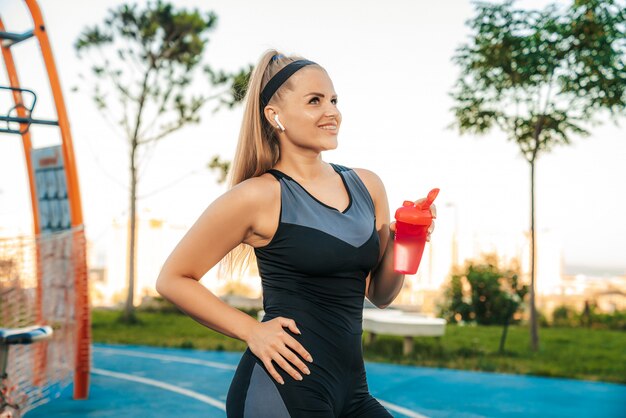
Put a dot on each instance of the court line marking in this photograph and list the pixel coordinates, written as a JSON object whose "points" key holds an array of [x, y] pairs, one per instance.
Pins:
{"points": [[162, 385], [401, 410], [164, 357], [179, 359]]}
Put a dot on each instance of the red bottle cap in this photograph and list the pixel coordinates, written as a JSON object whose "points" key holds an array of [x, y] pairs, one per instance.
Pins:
{"points": [[419, 214]]}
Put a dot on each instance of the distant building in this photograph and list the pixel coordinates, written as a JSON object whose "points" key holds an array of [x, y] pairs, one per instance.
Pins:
{"points": [[156, 239], [421, 292], [606, 293], [424, 290], [611, 300]]}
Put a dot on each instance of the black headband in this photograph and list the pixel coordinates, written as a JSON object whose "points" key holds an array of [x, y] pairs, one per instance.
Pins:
{"points": [[279, 78]]}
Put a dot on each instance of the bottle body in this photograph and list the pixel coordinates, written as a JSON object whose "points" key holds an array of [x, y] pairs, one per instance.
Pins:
{"points": [[408, 247], [412, 224]]}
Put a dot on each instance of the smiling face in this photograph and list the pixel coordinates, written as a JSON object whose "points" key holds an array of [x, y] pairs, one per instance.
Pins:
{"points": [[309, 112]]}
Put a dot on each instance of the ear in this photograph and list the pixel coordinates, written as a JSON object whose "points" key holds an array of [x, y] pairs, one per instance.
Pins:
{"points": [[269, 113]]}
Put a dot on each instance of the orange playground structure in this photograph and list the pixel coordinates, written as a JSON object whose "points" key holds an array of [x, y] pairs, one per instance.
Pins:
{"points": [[43, 278]]}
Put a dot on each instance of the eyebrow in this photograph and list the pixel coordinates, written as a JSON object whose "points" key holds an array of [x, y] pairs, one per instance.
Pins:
{"points": [[318, 94]]}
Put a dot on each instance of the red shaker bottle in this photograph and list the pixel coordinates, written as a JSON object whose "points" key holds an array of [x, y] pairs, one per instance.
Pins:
{"points": [[412, 223]]}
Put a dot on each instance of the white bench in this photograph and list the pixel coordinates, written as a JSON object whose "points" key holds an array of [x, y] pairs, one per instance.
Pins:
{"points": [[404, 324], [397, 322]]}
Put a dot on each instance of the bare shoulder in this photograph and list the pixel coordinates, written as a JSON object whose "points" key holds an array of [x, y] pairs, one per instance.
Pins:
{"points": [[263, 195], [234, 217], [258, 188], [364, 172], [373, 183]]}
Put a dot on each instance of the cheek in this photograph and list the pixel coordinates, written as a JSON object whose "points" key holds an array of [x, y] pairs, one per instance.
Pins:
{"points": [[301, 119], [307, 122], [310, 117]]}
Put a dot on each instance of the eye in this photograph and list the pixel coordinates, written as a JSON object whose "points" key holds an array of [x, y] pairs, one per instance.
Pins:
{"points": [[317, 98]]}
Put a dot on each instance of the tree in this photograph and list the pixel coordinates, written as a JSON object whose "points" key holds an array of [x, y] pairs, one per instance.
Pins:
{"points": [[146, 59], [456, 305], [485, 292], [540, 76]]}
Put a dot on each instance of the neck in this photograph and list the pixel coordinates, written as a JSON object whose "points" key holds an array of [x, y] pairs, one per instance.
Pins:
{"points": [[303, 168]]}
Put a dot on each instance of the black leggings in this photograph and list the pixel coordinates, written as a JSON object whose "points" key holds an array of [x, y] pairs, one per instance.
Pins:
{"points": [[254, 393]]}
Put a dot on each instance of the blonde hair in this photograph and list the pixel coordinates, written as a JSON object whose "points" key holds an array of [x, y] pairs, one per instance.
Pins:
{"points": [[257, 148]]}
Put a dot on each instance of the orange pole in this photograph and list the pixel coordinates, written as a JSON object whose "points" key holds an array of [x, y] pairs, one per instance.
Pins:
{"points": [[83, 320], [40, 351], [68, 148], [26, 141]]}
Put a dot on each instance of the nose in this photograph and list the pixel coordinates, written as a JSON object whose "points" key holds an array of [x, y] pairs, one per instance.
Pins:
{"points": [[332, 112]]}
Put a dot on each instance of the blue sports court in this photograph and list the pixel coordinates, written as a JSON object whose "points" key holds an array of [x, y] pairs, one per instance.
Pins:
{"points": [[134, 381]]}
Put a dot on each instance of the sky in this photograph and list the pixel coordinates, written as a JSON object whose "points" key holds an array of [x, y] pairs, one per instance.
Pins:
{"points": [[390, 63]]}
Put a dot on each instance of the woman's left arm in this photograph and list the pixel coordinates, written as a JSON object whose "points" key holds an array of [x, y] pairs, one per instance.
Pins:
{"points": [[383, 284]]}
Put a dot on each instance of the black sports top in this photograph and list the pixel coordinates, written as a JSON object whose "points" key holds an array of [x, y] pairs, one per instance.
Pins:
{"points": [[314, 268]]}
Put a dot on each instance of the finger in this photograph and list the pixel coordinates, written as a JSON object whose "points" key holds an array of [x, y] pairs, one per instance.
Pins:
{"points": [[293, 344], [433, 210], [297, 347], [280, 360], [270, 368], [392, 226], [431, 228], [291, 324], [295, 360]]}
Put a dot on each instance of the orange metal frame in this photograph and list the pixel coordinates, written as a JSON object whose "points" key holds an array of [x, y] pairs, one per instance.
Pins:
{"points": [[81, 372]]}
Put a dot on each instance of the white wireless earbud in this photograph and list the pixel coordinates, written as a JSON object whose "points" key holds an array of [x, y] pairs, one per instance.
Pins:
{"points": [[282, 128]]}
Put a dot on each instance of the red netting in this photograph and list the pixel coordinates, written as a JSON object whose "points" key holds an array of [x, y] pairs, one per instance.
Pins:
{"points": [[39, 277]]}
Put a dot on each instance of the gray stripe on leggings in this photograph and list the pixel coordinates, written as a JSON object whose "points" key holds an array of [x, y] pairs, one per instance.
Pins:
{"points": [[263, 399]]}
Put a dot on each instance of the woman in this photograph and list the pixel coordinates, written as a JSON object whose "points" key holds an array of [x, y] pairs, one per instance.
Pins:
{"points": [[321, 236]]}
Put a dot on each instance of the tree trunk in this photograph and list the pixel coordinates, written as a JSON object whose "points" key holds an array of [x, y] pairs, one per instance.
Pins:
{"points": [[534, 335], [503, 336], [507, 320], [129, 310]]}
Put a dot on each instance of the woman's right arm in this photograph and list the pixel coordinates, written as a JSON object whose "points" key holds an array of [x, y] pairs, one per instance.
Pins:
{"points": [[226, 223], [223, 225]]}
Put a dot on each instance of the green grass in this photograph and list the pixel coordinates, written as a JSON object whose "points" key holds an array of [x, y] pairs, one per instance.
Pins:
{"points": [[161, 330], [577, 353]]}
